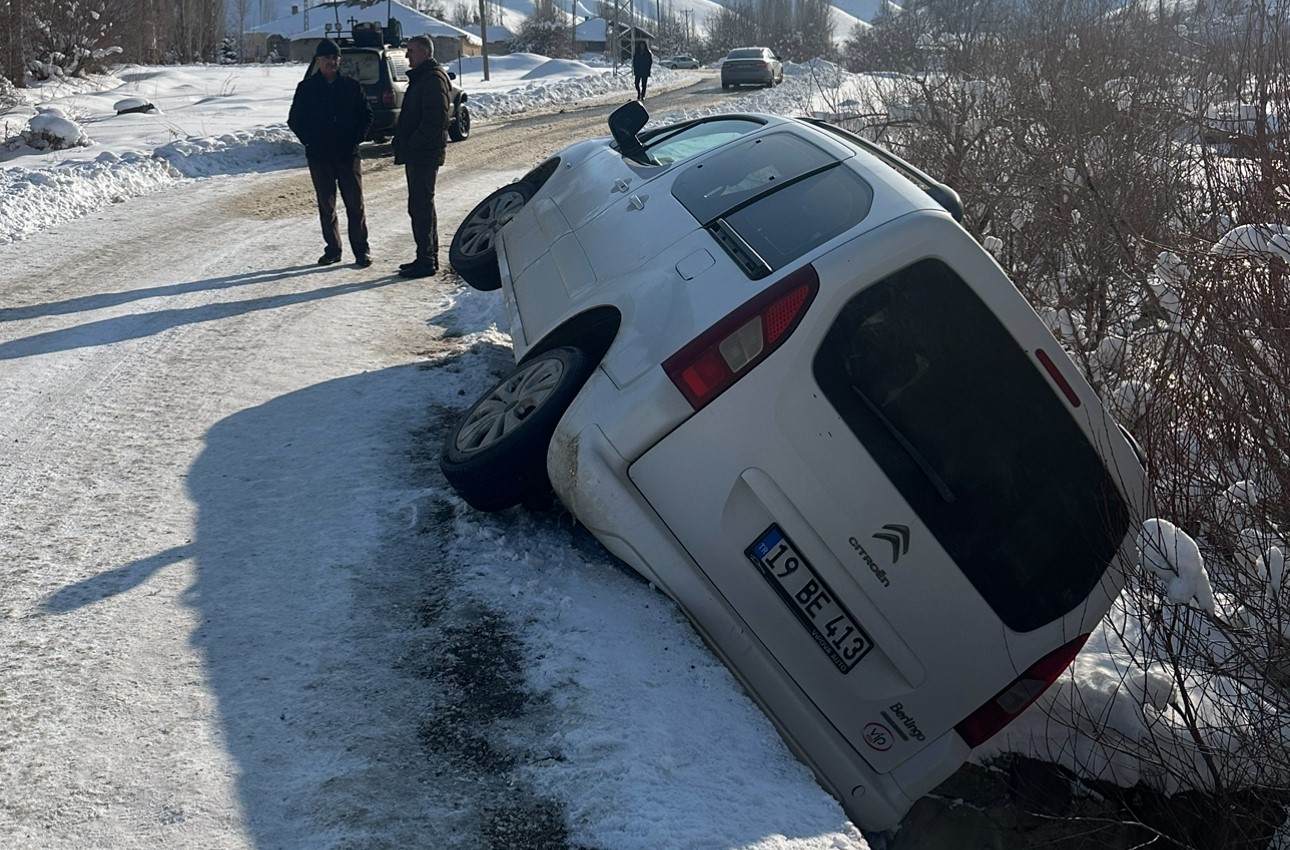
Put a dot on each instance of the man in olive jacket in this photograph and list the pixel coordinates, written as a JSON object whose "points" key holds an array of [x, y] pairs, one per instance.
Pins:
{"points": [[420, 139], [330, 116]]}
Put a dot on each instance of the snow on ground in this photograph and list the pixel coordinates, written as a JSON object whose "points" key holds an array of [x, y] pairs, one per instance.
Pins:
{"points": [[220, 119], [658, 747], [226, 120]]}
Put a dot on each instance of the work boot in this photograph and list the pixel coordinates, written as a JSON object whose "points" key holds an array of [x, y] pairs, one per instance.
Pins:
{"points": [[420, 269], [328, 258], [363, 260]]}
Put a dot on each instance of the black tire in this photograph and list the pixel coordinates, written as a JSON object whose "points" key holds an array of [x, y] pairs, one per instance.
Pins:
{"points": [[473, 252], [495, 456], [459, 129]]}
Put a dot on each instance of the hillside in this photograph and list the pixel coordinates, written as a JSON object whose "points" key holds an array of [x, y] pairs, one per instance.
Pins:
{"points": [[847, 13]]}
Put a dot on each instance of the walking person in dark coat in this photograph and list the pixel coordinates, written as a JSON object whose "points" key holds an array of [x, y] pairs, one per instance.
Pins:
{"points": [[420, 139], [330, 116], [642, 65]]}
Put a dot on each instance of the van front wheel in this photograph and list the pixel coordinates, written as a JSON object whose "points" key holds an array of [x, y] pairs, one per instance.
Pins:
{"points": [[473, 252]]}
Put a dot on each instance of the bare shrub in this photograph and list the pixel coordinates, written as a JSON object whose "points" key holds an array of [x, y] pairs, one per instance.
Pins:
{"points": [[1160, 261]]}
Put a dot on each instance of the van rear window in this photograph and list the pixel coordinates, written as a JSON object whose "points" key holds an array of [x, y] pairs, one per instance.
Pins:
{"points": [[957, 415]]}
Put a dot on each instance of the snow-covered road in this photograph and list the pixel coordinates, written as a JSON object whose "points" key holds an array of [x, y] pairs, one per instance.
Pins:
{"points": [[238, 605]]}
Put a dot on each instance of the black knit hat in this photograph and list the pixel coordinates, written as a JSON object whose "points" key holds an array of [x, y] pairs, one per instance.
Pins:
{"points": [[327, 47]]}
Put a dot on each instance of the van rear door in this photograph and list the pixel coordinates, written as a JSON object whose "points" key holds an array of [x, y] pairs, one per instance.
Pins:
{"points": [[892, 495]]}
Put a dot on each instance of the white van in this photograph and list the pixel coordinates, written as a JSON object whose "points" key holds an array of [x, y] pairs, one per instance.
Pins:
{"points": [[763, 363]]}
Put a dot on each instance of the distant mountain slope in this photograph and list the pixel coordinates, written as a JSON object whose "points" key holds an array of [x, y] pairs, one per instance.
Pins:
{"points": [[847, 13]]}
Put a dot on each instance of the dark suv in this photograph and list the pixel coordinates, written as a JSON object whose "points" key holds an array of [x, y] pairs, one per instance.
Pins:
{"points": [[383, 72]]}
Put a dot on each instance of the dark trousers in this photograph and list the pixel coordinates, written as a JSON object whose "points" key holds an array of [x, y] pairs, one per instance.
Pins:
{"points": [[327, 174], [425, 224], [641, 83]]}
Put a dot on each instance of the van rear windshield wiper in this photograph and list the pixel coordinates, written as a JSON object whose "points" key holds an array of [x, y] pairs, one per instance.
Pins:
{"points": [[942, 489]]}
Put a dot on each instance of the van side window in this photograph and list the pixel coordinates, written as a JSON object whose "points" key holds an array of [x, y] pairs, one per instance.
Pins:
{"points": [[958, 416], [743, 170], [785, 224], [770, 199]]}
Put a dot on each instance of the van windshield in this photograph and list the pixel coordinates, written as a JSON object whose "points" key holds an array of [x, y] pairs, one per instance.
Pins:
{"points": [[959, 418], [675, 144]]}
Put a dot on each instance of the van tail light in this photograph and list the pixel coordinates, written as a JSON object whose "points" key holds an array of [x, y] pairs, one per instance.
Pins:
{"points": [[387, 98], [709, 364], [982, 724]]}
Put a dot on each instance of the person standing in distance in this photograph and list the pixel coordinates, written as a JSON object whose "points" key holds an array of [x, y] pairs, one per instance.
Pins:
{"points": [[330, 116], [420, 140], [642, 65]]}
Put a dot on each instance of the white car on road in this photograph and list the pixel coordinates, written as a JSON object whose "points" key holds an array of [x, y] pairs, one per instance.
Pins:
{"points": [[679, 62], [763, 363]]}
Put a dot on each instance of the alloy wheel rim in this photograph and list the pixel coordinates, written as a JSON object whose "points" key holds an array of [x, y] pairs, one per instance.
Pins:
{"points": [[479, 232], [509, 405]]}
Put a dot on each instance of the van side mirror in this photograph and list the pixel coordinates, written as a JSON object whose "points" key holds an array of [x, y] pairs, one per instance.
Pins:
{"points": [[947, 198], [624, 124]]}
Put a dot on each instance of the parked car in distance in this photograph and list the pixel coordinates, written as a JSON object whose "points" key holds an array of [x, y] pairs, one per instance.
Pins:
{"points": [[679, 62], [757, 66], [383, 72], [762, 362]]}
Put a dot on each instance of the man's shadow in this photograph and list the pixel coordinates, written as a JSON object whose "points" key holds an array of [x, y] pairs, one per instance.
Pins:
{"points": [[139, 325], [100, 300]]}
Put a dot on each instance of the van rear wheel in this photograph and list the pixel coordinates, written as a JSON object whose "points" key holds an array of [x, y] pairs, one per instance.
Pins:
{"points": [[495, 456]]}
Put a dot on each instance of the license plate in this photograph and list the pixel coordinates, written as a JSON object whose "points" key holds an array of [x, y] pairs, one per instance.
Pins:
{"points": [[817, 608]]}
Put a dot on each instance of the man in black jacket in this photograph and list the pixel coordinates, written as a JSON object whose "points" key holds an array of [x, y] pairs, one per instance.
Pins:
{"points": [[420, 139], [330, 116]]}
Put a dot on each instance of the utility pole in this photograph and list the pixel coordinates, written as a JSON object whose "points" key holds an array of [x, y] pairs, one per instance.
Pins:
{"points": [[621, 13], [483, 36]]}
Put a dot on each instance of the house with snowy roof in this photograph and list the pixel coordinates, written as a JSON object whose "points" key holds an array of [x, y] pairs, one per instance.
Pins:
{"points": [[595, 35], [307, 25]]}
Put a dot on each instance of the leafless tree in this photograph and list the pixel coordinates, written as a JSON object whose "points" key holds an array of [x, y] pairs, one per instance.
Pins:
{"points": [[13, 44], [1130, 169], [242, 12]]}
